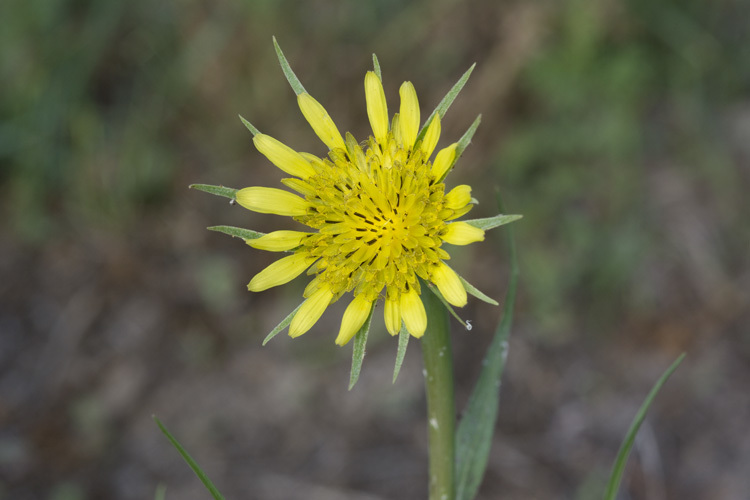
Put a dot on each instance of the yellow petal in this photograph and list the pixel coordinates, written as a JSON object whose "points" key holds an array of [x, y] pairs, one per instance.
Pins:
{"points": [[449, 284], [310, 311], [408, 114], [431, 137], [282, 271], [461, 233], [458, 197], [444, 160], [278, 241], [392, 315], [283, 156], [272, 201], [413, 313], [377, 109], [354, 317], [320, 121]]}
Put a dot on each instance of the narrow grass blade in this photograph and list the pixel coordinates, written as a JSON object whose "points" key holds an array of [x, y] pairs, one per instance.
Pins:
{"points": [[463, 143], [288, 73], [358, 354], [237, 232], [472, 290], [249, 126], [446, 102], [474, 434], [622, 456], [403, 342], [376, 67], [161, 492], [493, 222], [284, 323], [217, 190], [193, 465]]}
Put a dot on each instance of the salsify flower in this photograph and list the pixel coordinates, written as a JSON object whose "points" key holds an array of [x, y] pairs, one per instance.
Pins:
{"points": [[377, 211]]}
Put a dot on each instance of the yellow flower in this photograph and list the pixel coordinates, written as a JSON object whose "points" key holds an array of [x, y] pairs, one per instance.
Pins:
{"points": [[377, 211]]}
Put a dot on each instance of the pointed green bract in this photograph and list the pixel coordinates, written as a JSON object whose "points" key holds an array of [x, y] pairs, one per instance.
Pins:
{"points": [[217, 190], [403, 342], [249, 126], [443, 106], [472, 290], [622, 456], [474, 434], [463, 143], [376, 67], [493, 222], [192, 463], [284, 323], [288, 73], [358, 354], [447, 305], [237, 232]]}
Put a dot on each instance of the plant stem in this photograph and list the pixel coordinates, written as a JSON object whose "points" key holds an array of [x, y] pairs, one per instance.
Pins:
{"points": [[441, 416]]}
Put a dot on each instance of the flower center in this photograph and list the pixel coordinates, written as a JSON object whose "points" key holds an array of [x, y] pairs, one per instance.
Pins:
{"points": [[378, 213]]}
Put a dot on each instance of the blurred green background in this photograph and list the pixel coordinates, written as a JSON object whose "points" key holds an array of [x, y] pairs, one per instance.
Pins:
{"points": [[620, 129]]}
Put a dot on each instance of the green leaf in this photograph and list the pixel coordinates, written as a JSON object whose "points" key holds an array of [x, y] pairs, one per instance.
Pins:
{"points": [[288, 73], [622, 456], [284, 323], [237, 232], [161, 492], [493, 222], [376, 66], [463, 143], [358, 354], [474, 434], [403, 342], [249, 126], [217, 190], [444, 104], [472, 290], [193, 465]]}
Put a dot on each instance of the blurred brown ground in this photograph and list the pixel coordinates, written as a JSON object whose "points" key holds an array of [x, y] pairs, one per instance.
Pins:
{"points": [[621, 131]]}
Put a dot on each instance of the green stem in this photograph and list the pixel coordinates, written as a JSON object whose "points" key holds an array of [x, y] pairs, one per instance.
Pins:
{"points": [[441, 412]]}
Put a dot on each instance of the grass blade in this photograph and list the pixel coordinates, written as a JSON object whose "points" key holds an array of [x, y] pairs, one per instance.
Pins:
{"points": [[249, 126], [474, 434], [376, 67], [193, 465], [358, 354], [472, 290], [463, 143], [622, 456]]}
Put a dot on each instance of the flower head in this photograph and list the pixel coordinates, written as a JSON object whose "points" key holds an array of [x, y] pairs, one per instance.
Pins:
{"points": [[377, 213]]}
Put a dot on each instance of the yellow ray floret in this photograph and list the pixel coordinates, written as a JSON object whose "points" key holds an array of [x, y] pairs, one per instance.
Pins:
{"points": [[278, 241], [392, 315], [444, 160], [449, 284], [431, 136], [459, 197], [354, 317], [377, 110], [320, 121], [413, 313], [310, 311], [272, 201], [461, 233], [408, 115], [282, 271], [283, 156]]}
